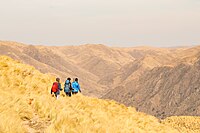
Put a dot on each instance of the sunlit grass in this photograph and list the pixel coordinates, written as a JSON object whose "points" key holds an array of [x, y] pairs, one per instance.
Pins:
{"points": [[24, 94]]}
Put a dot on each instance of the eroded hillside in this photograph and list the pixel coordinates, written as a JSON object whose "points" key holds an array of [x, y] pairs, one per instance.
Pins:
{"points": [[27, 106], [163, 91]]}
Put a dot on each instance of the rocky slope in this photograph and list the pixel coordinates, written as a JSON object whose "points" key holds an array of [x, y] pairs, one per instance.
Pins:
{"points": [[163, 91]]}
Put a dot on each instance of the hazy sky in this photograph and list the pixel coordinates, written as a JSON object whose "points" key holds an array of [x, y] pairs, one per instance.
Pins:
{"points": [[112, 22]]}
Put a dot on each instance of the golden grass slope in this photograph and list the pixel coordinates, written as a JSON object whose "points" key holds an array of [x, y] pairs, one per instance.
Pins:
{"points": [[184, 123], [19, 82], [26, 106]]}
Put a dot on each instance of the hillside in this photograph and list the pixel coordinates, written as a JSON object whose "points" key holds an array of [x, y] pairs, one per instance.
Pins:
{"points": [[144, 77], [99, 66], [47, 60], [27, 106], [163, 91], [26, 102]]}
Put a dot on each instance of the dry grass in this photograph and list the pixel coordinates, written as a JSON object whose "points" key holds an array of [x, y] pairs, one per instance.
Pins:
{"points": [[24, 95], [190, 124]]}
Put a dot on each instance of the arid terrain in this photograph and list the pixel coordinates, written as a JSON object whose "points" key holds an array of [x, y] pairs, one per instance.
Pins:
{"points": [[27, 106], [159, 81]]}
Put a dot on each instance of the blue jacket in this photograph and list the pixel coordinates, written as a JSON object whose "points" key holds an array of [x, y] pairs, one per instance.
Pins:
{"points": [[75, 86]]}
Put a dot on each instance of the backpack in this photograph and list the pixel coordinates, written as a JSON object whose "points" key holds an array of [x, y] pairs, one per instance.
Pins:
{"points": [[54, 87], [67, 86]]}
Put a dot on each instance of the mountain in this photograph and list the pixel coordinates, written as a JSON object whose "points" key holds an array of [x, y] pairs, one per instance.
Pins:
{"points": [[154, 80], [165, 90], [51, 60], [27, 106], [97, 65], [88, 62]]}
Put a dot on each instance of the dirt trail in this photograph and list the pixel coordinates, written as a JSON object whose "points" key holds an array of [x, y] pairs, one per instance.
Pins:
{"points": [[36, 124]]}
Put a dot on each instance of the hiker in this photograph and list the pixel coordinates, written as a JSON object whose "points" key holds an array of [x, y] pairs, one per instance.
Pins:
{"points": [[68, 87], [76, 87], [56, 88]]}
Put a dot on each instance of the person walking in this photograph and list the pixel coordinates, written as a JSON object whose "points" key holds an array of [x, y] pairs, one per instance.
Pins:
{"points": [[68, 87], [56, 88], [76, 87]]}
